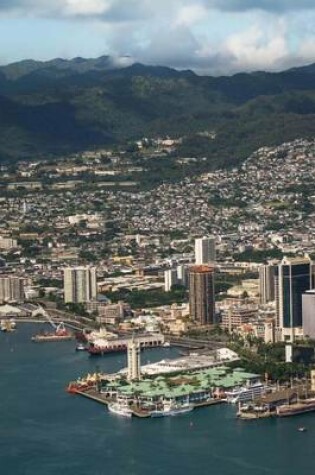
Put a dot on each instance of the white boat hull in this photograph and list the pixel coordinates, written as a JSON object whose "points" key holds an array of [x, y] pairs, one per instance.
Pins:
{"points": [[172, 412], [119, 410]]}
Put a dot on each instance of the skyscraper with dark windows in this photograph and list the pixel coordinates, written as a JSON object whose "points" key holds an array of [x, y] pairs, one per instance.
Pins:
{"points": [[201, 294], [293, 277], [267, 283]]}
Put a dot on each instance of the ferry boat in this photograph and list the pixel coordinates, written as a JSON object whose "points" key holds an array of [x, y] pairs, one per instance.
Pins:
{"points": [[120, 409], [172, 409], [245, 393], [302, 407]]}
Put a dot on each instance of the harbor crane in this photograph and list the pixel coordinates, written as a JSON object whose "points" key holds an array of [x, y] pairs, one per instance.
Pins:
{"points": [[60, 328]]}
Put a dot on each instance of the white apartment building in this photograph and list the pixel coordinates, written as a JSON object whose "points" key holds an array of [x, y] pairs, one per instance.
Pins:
{"points": [[11, 289], [205, 250], [79, 284]]}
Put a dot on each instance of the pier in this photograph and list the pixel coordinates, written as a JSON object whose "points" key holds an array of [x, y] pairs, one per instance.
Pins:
{"points": [[100, 398]]}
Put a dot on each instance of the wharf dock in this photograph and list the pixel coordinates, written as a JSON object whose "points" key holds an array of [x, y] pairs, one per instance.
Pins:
{"points": [[271, 404], [100, 398], [95, 396]]}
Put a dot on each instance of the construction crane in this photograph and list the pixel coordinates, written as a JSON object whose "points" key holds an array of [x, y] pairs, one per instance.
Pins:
{"points": [[60, 329]]}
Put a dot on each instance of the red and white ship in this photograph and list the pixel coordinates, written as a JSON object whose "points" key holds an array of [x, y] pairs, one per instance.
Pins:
{"points": [[61, 333]]}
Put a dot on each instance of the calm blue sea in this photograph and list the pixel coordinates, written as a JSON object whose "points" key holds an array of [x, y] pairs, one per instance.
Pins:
{"points": [[45, 431]]}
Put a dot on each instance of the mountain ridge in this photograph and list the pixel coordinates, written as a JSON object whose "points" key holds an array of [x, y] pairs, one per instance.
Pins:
{"points": [[61, 106]]}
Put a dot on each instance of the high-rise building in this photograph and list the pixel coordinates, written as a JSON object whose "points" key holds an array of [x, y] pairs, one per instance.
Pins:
{"points": [[79, 284], [170, 279], [201, 294], [133, 357], [11, 289], [308, 313], [293, 277], [182, 275], [204, 250], [267, 283]]}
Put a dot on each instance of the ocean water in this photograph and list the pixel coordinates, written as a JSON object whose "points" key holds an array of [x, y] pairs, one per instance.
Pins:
{"points": [[45, 431]]}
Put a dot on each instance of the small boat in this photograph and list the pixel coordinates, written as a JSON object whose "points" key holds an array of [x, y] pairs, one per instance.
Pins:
{"points": [[80, 347], [302, 429], [120, 409]]}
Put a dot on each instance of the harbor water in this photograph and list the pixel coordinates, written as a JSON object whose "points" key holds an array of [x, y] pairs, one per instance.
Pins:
{"points": [[45, 431]]}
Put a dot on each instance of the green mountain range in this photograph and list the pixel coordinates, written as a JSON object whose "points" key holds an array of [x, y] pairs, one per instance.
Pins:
{"points": [[59, 106]]}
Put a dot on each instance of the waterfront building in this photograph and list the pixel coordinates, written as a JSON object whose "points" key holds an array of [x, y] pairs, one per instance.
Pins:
{"points": [[201, 294], [79, 284], [170, 279], [134, 365], [308, 313], [11, 289], [267, 283], [293, 277], [204, 250]]}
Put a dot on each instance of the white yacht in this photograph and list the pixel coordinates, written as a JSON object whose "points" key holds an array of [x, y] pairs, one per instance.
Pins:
{"points": [[120, 409], [171, 408]]}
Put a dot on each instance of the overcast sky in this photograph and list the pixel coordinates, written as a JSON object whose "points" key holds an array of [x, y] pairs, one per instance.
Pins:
{"points": [[208, 36]]}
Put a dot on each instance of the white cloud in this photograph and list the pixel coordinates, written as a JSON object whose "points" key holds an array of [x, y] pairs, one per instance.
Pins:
{"points": [[256, 48], [190, 15], [249, 35], [86, 7]]}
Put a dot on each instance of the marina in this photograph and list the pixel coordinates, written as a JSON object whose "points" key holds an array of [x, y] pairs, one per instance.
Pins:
{"points": [[192, 383], [94, 437]]}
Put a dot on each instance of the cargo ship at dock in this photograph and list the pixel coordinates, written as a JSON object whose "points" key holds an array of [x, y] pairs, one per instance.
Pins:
{"points": [[61, 333]]}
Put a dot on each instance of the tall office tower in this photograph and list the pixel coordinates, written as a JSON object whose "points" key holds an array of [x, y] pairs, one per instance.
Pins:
{"points": [[79, 284], [133, 357], [205, 250], [292, 278], [11, 289], [308, 313], [267, 283], [313, 275], [182, 275], [201, 294], [170, 279]]}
